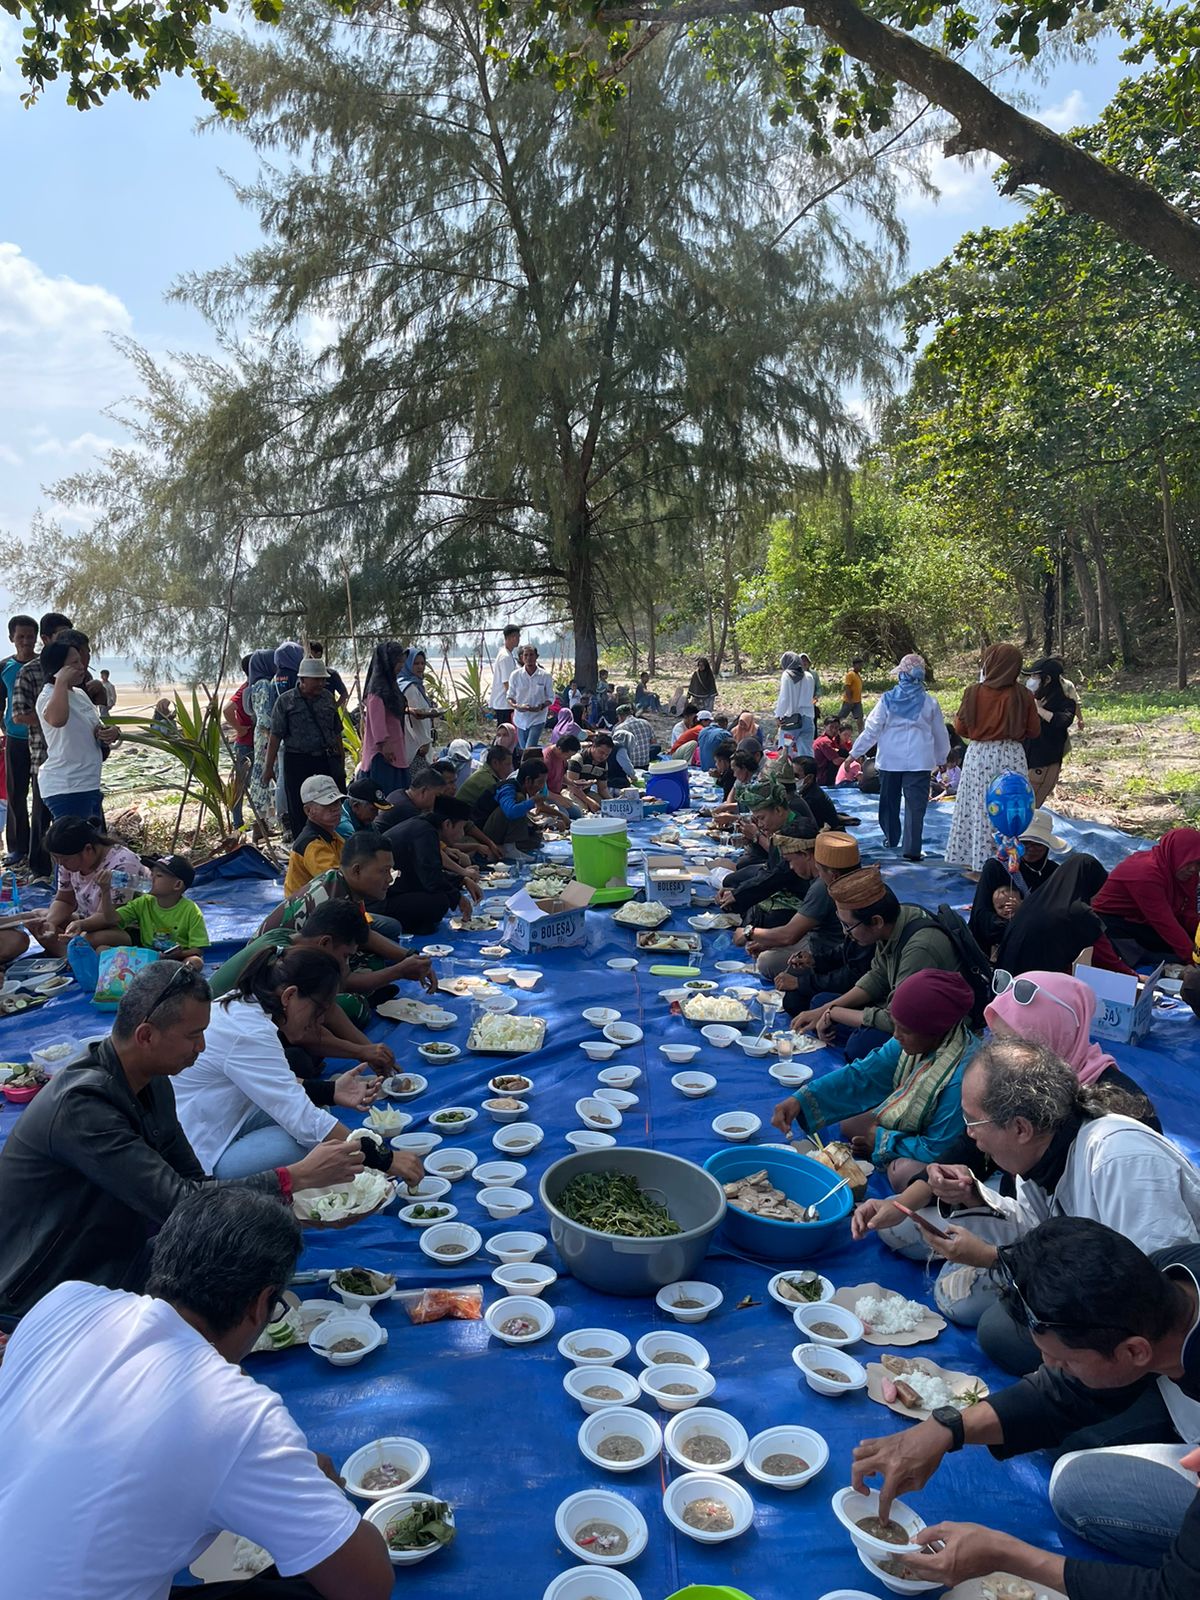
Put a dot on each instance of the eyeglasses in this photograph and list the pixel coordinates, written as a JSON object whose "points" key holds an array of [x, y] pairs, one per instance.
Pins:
{"points": [[979, 1122], [279, 1309], [1025, 991], [181, 978], [1037, 1324]]}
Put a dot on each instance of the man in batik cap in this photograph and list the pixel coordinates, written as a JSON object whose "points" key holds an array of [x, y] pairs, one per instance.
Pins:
{"points": [[902, 939], [809, 938], [771, 810]]}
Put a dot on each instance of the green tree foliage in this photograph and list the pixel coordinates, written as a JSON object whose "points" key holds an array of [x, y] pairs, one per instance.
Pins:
{"points": [[549, 350], [1052, 412]]}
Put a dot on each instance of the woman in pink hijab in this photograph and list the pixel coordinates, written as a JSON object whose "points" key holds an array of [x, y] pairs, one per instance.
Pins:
{"points": [[1056, 1010]]}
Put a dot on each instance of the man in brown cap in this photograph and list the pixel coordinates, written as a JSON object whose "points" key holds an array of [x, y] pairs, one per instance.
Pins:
{"points": [[814, 925], [902, 940]]}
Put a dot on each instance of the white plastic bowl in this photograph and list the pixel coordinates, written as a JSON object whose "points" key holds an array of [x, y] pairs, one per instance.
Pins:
{"points": [[416, 1144], [661, 1343], [580, 1379], [451, 1162], [897, 1585], [623, 1077], [753, 1046], [524, 1277], [708, 1486], [719, 1034], [508, 1247], [587, 1139], [655, 1379], [463, 1117], [519, 1305], [808, 1357], [601, 1016], [623, 1099], [519, 1138], [592, 1583], [709, 1296], [439, 1055], [622, 963], [794, 1441], [353, 1302], [623, 1033], [434, 951], [513, 1094], [408, 1454], [614, 1345], [679, 1053], [598, 1114], [438, 1020], [500, 1005], [805, 1315], [498, 1174], [620, 1420], [343, 1325], [706, 1420], [694, 1085], [505, 1113], [443, 1233], [599, 1049], [405, 1214], [501, 1204], [790, 1074], [736, 1126], [827, 1290], [383, 1120], [384, 1511], [599, 1505], [429, 1188], [848, 1506], [418, 1085]]}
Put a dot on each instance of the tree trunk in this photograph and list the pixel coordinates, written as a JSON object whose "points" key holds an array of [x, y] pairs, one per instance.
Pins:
{"points": [[633, 641], [651, 640], [1026, 617], [1134, 210], [1112, 624], [1174, 573], [1048, 601], [581, 599], [1086, 587]]}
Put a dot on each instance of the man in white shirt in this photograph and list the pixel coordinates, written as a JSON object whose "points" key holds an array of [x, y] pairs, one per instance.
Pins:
{"points": [[133, 1438], [503, 668], [530, 691]]}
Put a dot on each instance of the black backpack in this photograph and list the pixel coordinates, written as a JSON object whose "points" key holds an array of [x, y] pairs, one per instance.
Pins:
{"points": [[972, 962]]}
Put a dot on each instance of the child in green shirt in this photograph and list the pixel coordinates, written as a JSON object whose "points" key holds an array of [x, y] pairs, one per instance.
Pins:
{"points": [[163, 920]]}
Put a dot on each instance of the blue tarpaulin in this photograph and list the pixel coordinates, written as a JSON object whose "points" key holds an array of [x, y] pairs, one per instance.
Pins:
{"points": [[499, 1427]]}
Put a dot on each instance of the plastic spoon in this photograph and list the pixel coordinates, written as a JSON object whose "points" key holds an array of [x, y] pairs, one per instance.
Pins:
{"points": [[812, 1213]]}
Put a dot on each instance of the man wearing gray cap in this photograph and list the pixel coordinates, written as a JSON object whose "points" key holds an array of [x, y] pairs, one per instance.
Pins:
{"points": [[306, 726]]}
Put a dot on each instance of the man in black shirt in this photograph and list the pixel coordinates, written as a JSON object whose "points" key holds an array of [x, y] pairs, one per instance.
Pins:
{"points": [[305, 724], [415, 801], [1119, 1390], [810, 791], [423, 891]]}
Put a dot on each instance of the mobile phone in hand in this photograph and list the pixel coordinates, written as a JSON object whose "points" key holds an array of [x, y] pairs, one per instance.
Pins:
{"points": [[923, 1223]]}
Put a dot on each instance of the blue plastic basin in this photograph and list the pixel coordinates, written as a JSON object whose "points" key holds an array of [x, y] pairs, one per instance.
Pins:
{"points": [[802, 1180]]}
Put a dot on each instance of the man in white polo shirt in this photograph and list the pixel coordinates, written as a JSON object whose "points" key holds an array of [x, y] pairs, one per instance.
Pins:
{"points": [[530, 691], [503, 668], [132, 1438]]}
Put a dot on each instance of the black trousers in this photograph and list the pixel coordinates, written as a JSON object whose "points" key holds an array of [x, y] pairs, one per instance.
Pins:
{"points": [[295, 769], [17, 775], [416, 910], [267, 1585], [40, 864]]}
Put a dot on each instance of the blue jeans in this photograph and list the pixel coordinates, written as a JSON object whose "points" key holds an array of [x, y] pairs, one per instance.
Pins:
{"points": [[1129, 1500], [530, 737], [88, 803], [854, 1043], [243, 760], [799, 741], [261, 1145], [915, 789]]}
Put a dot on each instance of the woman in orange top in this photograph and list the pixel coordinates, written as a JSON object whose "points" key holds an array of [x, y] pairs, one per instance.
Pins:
{"points": [[996, 715]]}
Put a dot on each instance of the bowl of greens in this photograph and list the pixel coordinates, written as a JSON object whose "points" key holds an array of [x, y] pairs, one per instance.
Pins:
{"points": [[629, 1221], [413, 1526]]}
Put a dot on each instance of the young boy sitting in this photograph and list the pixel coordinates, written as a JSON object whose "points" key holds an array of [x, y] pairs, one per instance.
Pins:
{"points": [[164, 920]]}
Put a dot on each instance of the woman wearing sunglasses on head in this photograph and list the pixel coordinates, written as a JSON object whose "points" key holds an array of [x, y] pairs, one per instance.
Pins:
{"points": [[1118, 1395], [1070, 1151]]}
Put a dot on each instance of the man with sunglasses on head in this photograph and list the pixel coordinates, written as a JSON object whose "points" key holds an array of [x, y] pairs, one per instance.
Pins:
{"points": [[98, 1161], [1118, 1394]]}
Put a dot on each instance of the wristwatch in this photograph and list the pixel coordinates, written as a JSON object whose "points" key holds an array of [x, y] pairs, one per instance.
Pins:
{"points": [[951, 1417]]}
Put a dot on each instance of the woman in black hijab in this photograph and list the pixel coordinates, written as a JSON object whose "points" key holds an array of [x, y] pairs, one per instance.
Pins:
{"points": [[702, 686], [1056, 922]]}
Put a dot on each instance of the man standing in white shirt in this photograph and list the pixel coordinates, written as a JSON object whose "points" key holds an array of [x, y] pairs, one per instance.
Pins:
{"points": [[503, 668], [530, 691], [132, 1409]]}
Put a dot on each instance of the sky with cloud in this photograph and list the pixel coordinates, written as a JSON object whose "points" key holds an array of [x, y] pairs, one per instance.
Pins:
{"points": [[100, 212]]}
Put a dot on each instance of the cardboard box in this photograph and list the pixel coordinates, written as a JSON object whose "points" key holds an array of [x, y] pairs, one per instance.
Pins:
{"points": [[557, 924], [619, 805], [1124, 1002], [668, 880]]}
